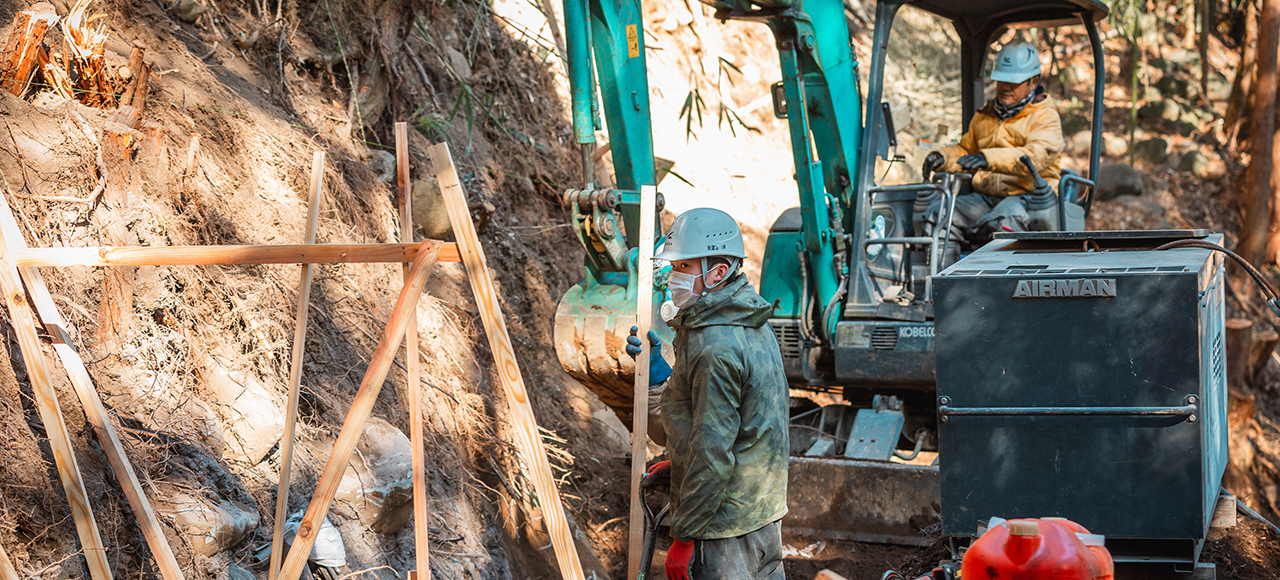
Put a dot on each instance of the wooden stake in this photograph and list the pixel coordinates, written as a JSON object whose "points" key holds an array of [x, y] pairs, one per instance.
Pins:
{"points": [[524, 424], [295, 371], [46, 399], [640, 414], [94, 410], [118, 143], [353, 426], [18, 53], [140, 92], [6, 567], [227, 255], [413, 380]]}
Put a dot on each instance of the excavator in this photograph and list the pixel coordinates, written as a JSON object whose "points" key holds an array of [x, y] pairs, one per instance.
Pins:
{"points": [[850, 271]]}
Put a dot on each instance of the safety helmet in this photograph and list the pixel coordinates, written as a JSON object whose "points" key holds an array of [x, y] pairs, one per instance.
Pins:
{"points": [[702, 233], [1016, 62]]}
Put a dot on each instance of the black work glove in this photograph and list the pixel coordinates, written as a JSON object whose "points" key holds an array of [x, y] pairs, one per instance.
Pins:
{"points": [[973, 162], [932, 162], [659, 370]]}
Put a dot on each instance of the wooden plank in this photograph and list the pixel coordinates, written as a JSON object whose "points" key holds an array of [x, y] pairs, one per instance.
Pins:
{"points": [[7, 572], [46, 400], [226, 255], [353, 426], [528, 442], [295, 371], [413, 379], [640, 406], [94, 410]]}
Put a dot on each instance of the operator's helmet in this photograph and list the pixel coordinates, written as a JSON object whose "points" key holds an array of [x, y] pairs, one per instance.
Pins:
{"points": [[702, 233], [1016, 62]]}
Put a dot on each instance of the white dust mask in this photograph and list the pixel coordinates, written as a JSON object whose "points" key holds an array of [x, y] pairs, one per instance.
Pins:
{"points": [[681, 286]]}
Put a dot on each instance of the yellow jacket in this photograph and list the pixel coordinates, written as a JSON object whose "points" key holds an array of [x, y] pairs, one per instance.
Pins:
{"points": [[1036, 131]]}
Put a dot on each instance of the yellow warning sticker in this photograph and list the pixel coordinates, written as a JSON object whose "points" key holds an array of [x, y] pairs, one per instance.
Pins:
{"points": [[633, 42]]}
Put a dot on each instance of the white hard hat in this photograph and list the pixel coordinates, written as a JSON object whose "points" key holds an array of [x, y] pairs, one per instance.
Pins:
{"points": [[1016, 62], [702, 233]]}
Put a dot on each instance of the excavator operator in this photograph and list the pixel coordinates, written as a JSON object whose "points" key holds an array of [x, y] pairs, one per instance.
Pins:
{"points": [[724, 409], [1021, 120]]}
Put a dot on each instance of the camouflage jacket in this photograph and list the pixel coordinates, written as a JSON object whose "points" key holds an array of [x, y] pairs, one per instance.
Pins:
{"points": [[725, 413]]}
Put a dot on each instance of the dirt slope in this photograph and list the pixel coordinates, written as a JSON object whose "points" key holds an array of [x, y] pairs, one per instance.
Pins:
{"points": [[261, 107]]}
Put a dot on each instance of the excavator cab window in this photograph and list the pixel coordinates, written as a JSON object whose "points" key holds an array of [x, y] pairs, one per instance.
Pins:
{"points": [[921, 94]]}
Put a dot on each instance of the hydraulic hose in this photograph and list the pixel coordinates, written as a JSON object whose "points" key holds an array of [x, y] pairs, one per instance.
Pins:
{"points": [[835, 300], [1269, 293]]}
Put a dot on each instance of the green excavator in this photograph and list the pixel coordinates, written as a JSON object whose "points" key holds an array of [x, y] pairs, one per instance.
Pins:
{"points": [[849, 270]]}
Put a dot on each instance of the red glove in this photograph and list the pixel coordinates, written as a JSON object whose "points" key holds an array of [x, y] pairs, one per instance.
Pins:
{"points": [[678, 560], [659, 466]]}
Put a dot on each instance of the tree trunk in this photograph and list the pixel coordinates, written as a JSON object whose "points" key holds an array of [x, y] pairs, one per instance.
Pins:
{"points": [[19, 50], [1262, 121], [1238, 103]]}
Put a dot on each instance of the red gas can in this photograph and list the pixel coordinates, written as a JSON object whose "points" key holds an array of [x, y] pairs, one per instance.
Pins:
{"points": [[1038, 549]]}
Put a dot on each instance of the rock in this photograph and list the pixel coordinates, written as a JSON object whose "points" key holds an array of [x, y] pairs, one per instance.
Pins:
{"points": [[188, 10], [1078, 144], [458, 62], [329, 550], [1172, 86], [1154, 151], [1073, 123], [383, 163], [1219, 87], [378, 482], [250, 415], [428, 209], [1073, 75], [1194, 162], [1163, 109], [1182, 57], [1150, 93], [1114, 146], [1118, 179], [234, 572], [210, 528]]}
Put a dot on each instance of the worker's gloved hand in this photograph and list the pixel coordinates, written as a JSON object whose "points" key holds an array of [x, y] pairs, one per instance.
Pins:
{"points": [[678, 557], [659, 370], [973, 162], [932, 162]]}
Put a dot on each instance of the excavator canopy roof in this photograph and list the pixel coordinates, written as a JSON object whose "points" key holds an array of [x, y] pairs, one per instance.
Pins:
{"points": [[979, 14]]}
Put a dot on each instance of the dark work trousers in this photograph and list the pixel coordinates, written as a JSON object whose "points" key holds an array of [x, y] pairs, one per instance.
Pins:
{"points": [[753, 556], [977, 217]]}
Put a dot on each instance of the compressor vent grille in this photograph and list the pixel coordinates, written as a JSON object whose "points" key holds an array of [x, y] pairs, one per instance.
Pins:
{"points": [[1217, 356], [884, 338], [790, 341]]}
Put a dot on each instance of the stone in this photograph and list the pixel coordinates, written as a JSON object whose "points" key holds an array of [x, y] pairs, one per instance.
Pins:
{"points": [[1183, 57], [459, 63], [1114, 146], [1163, 109], [251, 417], [234, 572], [1073, 123], [1117, 179], [210, 527], [428, 209], [383, 163], [1154, 151], [1194, 162], [378, 482], [1073, 75], [329, 549], [1078, 145], [1173, 86], [1219, 87], [188, 11]]}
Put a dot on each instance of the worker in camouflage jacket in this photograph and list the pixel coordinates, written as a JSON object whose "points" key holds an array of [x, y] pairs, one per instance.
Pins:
{"points": [[724, 409]]}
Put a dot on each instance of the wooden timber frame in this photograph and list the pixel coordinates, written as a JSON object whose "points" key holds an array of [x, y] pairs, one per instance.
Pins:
{"points": [[524, 425], [16, 257]]}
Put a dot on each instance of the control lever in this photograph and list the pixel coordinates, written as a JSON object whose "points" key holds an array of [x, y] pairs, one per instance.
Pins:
{"points": [[1041, 186]]}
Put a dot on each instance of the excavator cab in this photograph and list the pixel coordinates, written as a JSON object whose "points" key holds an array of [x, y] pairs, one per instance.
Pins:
{"points": [[849, 271]]}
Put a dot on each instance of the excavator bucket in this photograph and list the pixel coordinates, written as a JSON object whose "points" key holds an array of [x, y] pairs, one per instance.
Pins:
{"points": [[591, 329]]}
